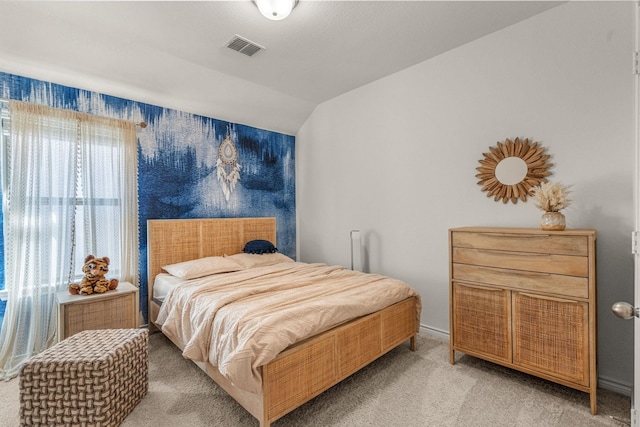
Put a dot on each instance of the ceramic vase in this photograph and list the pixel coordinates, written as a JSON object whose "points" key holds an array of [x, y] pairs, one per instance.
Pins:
{"points": [[552, 221]]}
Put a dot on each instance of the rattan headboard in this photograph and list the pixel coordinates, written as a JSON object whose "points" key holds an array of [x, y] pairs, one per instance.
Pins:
{"points": [[176, 240]]}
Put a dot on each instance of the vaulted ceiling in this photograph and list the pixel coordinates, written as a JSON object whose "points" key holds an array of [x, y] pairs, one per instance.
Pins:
{"points": [[174, 54]]}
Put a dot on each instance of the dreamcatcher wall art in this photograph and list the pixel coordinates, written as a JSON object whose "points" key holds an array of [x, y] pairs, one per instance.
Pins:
{"points": [[228, 166]]}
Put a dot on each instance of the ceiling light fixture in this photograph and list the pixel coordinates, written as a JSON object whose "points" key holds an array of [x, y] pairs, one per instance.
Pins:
{"points": [[276, 10]]}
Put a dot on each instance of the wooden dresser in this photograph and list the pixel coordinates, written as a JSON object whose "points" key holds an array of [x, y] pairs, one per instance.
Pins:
{"points": [[526, 299]]}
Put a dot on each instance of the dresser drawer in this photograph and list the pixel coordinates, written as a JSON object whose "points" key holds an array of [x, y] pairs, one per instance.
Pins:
{"points": [[553, 284], [539, 262], [535, 243]]}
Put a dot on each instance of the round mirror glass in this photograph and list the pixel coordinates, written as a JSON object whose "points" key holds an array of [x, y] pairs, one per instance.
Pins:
{"points": [[511, 170]]}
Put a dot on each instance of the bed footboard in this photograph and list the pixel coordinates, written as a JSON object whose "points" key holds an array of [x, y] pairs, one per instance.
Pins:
{"points": [[304, 371]]}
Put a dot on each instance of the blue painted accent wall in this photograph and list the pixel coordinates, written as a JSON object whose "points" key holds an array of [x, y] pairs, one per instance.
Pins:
{"points": [[177, 154]]}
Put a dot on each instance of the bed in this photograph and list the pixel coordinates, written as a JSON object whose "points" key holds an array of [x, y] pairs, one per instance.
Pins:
{"points": [[302, 370]]}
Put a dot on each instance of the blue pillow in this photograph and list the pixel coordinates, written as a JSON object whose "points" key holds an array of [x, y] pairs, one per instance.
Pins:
{"points": [[259, 247]]}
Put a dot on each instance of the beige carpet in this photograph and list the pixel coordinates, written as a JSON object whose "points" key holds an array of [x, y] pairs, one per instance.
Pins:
{"points": [[403, 389]]}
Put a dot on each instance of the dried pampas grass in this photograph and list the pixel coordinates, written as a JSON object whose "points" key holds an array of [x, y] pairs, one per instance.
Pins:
{"points": [[551, 196]]}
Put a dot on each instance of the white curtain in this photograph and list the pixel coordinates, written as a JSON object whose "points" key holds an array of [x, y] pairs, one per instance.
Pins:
{"points": [[69, 189]]}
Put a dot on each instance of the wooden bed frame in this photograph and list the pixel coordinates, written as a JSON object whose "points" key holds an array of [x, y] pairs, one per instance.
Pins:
{"points": [[305, 369]]}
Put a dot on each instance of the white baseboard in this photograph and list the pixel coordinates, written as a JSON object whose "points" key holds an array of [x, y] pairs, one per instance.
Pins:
{"points": [[438, 333], [616, 386], [624, 389]]}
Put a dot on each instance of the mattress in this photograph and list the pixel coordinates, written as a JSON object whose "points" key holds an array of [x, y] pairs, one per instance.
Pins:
{"points": [[163, 283]]}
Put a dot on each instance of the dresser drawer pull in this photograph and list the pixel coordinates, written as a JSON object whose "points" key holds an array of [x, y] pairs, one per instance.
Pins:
{"points": [[484, 288], [526, 274], [566, 301], [519, 236], [520, 254]]}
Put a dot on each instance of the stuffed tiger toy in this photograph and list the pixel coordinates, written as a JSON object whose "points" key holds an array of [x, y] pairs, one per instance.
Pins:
{"points": [[94, 281]]}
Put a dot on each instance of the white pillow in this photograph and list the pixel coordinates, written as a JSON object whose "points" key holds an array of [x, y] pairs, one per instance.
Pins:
{"points": [[202, 267], [259, 260]]}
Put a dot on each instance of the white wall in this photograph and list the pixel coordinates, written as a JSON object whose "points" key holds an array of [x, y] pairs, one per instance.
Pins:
{"points": [[396, 158]]}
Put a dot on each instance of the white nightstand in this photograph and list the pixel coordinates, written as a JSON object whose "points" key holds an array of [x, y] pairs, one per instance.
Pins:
{"points": [[110, 310]]}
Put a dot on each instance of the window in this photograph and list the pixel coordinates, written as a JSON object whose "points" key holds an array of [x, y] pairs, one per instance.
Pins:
{"points": [[69, 187]]}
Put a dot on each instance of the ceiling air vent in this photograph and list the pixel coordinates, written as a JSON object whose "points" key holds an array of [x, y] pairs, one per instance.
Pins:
{"points": [[242, 45]]}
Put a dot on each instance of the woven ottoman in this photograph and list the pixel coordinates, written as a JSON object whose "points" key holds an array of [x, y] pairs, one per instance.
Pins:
{"points": [[93, 378]]}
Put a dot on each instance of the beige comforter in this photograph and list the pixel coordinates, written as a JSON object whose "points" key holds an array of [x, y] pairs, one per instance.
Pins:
{"points": [[241, 321]]}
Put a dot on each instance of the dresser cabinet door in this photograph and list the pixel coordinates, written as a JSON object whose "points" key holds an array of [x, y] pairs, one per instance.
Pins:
{"points": [[481, 321], [551, 335]]}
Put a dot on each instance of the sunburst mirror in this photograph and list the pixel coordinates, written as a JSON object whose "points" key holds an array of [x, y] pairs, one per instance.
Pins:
{"points": [[511, 169]]}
